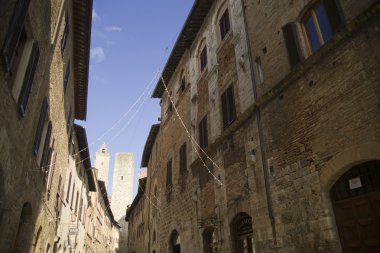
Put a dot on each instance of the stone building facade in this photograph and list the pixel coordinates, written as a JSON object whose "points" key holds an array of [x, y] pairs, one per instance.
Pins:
{"points": [[269, 140], [45, 170], [122, 190]]}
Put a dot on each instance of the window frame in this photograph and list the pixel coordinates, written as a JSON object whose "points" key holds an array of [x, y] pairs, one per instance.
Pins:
{"points": [[203, 59], [226, 24], [334, 17]]}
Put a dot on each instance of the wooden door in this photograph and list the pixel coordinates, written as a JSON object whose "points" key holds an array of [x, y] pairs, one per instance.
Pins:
{"points": [[356, 203]]}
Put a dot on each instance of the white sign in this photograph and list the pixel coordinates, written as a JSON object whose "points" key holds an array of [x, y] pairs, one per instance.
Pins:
{"points": [[355, 183], [73, 231]]}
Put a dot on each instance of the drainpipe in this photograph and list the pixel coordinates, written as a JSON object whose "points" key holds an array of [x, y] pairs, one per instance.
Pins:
{"points": [[260, 130]]}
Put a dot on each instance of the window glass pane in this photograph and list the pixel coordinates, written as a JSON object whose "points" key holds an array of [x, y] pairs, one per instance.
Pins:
{"points": [[324, 23], [312, 34]]}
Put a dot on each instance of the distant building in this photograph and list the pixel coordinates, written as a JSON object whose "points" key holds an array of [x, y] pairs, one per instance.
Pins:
{"points": [[137, 216], [122, 190], [102, 231], [102, 163]]}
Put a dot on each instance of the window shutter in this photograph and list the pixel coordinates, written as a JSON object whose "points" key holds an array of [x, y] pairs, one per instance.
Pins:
{"points": [[65, 33], [67, 77], [12, 38], [28, 79], [231, 105], [291, 41], [45, 154], [205, 134], [334, 14], [224, 109], [40, 126]]}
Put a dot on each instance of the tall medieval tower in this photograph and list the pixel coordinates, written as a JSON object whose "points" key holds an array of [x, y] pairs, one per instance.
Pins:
{"points": [[102, 163], [122, 190]]}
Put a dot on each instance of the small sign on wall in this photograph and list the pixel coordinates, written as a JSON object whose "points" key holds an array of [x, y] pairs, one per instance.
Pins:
{"points": [[355, 183]]}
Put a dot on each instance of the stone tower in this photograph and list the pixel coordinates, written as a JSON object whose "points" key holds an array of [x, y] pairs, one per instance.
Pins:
{"points": [[122, 190], [102, 163]]}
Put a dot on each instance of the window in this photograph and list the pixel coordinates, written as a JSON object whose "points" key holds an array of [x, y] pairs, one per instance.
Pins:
{"points": [[65, 33], [203, 58], [58, 202], [169, 179], [182, 84], [182, 159], [46, 153], [51, 167], [224, 24], [321, 22], [20, 56], [68, 189], [67, 77], [203, 135], [76, 202], [228, 107], [40, 126], [14, 34]]}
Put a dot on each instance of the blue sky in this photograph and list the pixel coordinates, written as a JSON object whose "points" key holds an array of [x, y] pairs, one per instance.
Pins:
{"points": [[131, 41]]}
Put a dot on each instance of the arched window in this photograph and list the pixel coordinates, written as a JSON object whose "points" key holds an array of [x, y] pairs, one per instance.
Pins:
{"points": [[202, 55], [320, 22], [241, 229], [175, 242], [182, 82], [223, 21], [210, 241]]}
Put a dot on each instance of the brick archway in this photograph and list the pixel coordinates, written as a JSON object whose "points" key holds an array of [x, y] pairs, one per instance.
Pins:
{"points": [[345, 160], [335, 168]]}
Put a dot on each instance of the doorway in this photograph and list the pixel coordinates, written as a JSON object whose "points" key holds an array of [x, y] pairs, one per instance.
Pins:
{"points": [[243, 234], [356, 203]]}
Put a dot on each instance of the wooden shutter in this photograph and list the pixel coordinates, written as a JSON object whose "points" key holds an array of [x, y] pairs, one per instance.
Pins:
{"points": [[182, 158], [28, 79], [169, 173], [65, 33], [203, 133], [291, 42], [12, 38], [231, 105], [45, 154], [334, 14], [225, 109], [68, 189], [40, 126], [67, 77]]}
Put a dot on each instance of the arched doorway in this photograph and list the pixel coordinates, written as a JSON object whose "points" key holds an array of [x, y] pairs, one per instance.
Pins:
{"points": [[175, 242], [20, 244], [210, 241], [242, 233], [356, 203]]}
